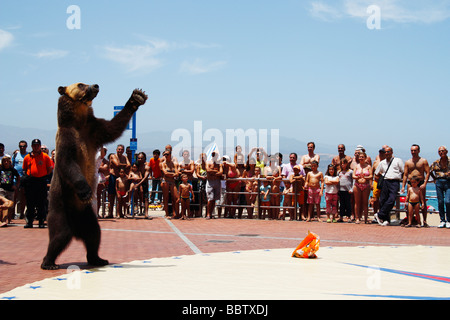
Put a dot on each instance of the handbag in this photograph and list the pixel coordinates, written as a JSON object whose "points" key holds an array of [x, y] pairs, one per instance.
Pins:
{"points": [[381, 179]]}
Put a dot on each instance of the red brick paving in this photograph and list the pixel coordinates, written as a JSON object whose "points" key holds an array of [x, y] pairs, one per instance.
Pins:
{"points": [[137, 239]]}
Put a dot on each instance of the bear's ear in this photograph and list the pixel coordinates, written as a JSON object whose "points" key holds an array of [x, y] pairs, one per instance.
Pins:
{"points": [[62, 90]]}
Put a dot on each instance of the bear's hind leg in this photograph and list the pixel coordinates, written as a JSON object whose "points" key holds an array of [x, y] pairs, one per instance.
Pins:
{"points": [[91, 238], [58, 242]]}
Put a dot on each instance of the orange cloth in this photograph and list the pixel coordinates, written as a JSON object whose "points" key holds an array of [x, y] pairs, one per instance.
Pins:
{"points": [[308, 247]]}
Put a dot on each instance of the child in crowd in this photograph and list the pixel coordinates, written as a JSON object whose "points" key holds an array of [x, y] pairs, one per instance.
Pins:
{"points": [[122, 193], [345, 190], [297, 181], [415, 201], [186, 193], [276, 194], [265, 199], [331, 181], [135, 190], [314, 185], [287, 201]]}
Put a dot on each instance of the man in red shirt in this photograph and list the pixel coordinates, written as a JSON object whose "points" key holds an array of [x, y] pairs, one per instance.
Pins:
{"points": [[155, 175], [37, 165]]}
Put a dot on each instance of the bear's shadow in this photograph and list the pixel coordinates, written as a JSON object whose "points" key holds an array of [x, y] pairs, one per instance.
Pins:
{"points": [[85, 266]]}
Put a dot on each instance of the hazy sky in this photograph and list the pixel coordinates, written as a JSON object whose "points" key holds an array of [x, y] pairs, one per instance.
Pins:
{"points": [[343, 71]]}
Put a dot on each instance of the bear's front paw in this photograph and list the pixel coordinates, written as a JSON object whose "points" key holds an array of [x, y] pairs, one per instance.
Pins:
{"points": [[138, 97], [84, 192]]}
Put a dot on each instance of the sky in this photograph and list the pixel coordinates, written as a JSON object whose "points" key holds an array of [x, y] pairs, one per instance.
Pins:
{"points": [[344, 71]]}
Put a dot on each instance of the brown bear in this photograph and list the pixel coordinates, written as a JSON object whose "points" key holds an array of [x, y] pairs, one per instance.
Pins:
{"points": [[80, 135]]}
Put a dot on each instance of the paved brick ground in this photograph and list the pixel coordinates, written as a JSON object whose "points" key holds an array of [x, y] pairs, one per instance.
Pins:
{"points": [[138, 239]]}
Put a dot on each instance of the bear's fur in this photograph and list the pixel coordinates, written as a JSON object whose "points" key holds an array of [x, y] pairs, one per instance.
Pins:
{"points": [[80, 135]]}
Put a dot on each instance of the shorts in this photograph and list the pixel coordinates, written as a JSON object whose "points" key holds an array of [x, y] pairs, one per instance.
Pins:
{"points": [[112, 184], [213, 190], [331, 201], [301, 198], [314, 196]]}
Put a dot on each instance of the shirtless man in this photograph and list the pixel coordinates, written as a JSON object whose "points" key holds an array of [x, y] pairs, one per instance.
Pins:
{"points": [[170, 171], [187, 166], [214, 171], [341, 155], [116, 162], [419, 167], [306, 160]]}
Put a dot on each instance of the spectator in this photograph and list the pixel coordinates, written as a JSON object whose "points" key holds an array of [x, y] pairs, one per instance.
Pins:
{"points": [[261, 158], [102, 166], [341, 155], [201, 175], [44, 149], [155, 175], [144, 169], [122, 194], [250, 186], [2, 150], [345, 189], [36, 166], [441, 175], [214, 173], [232, 186], [170, 171], [9, 178], [417, 167], [240, 164], [375, 201], [288, 168], [414, 199], [297, 180], [265, 190], [117, 161], [17, 162], [5, 205], [331, 181], [307, 159], [239, 157], [286, 173], [391, 169], [314, 185], [362, 176]]}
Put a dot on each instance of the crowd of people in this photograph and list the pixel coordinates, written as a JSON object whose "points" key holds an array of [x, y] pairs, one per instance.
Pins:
{"points": [[253, 183]]}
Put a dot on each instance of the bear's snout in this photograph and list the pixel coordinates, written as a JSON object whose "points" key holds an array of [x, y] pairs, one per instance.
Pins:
{"points": [[91, 92]]}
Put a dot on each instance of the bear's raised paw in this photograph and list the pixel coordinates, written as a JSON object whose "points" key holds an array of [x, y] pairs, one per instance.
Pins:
{"points": [[139, 97]]}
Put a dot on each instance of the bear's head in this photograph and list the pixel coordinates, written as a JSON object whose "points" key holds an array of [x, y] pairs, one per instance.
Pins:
{"points": [[80, 92], [75, 103]]}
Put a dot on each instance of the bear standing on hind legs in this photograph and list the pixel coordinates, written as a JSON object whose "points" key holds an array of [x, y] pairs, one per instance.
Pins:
{"points": [[80, 134]]}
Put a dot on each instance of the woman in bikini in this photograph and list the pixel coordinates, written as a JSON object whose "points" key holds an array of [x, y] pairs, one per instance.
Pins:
{"points": [[362, 175], [233, 185]]}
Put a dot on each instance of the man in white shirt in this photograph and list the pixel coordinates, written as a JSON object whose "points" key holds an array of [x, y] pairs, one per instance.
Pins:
{"points": [[392, 169]]}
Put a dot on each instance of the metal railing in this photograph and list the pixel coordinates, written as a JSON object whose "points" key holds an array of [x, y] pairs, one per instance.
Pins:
{"points": [[252, 208]]}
